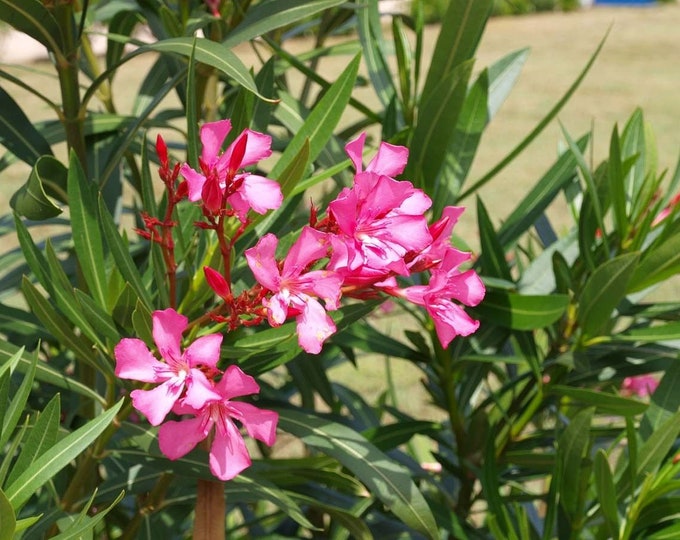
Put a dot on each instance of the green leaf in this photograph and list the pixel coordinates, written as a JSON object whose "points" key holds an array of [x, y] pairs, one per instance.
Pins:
{"points": [[603, 402], [121, 255], [671, 532], [573, 446], [385, 479], [617, 190], [57, 457], [41, 437], [539, 197], [296, 169], [87, 239], [31, 199], [322, 120], [657, 264], [521, 312], [18, 134], [211, 53], [84, 525], [388, 437], [8, 521], [662, 332], [502, 77], [373, 47], [492, 257], [33, 18], [606, 491], [664, 402], [652, 453], [8, 365], [16, 407], [603, 291], [266, 16]]}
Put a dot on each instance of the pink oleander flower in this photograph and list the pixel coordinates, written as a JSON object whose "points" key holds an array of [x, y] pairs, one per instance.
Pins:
{"points": [[295, 289], [181, 373], [448, 282], [389, 161], [228, 453], [220, 179], [641, 385], [661, 216]]}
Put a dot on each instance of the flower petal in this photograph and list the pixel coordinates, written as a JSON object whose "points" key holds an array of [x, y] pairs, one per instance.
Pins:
{"points": [[177, 439], [199, 391], [259, 423], [204, 351], [355, 149], [390, 160], [262, 262], [212, 136], [195, 182], [228, 453], [135, 361], [156, 403], [168, 326], [314, 326], [236, 383]]}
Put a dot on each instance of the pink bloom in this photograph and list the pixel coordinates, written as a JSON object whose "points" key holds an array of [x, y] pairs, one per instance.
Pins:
{"points": [[179, 371], [295, 290], [379, 220], [219, 176], [447, 283], [440, 231], [228, 453], [640, 385], [666, 211], [389, 161]]}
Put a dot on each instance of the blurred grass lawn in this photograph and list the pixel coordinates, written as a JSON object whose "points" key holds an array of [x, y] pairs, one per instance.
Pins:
{"points": [[638, 67]]}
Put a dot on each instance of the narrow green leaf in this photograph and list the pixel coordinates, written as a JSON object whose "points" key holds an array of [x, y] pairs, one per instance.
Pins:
{"points": [[603, 402], [603, 291], [211, 53], [606, 491], [384, 478], [9, 364], [521, 312], [657, 264], [296, 169], [8, 521], [502, 77], [84, 527], [657, 446], [267, 16], [662, 332], [373, 47], [492, 257], [539, 127], [617, 190], [388, 437], [573, 446], [121, 255], [57, 457], [671, 532], [539, 197], [122, 24], [33, 18], [193, 106], [18, 134], [17, 405], [99, 320], [41, 436], [87, 239], [664, 402], [319, 125]]}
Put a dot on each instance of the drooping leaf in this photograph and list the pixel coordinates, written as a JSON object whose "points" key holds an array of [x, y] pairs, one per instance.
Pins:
{"points": [[57, 457], [387, 480], [33, 18]]}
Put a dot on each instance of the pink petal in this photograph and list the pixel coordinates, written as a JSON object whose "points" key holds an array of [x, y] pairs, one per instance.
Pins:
{"points": [[156, 403], [390, 160], [199, 392], [314, 326], [216, 281], [259, 423], [324, 284], [261, 193], [177, 439], [277, 308], [262, 262], [310, 246], [236, 383], [135, 361], [355, 149], [258, 148], [205, 351], [228, 453], [195, 182], [451, 321], [212, 137], [168, 326]]}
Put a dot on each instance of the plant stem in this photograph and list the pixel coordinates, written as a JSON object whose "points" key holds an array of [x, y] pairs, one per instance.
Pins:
{"points": [[209, 523], [150, 504]]}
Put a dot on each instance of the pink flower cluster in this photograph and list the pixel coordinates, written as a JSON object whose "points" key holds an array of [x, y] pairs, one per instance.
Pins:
{"points": [[190, 384], [372, 235]]}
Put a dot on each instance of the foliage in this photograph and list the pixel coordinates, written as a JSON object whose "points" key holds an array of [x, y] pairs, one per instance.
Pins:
{"points": [[532, 437]]}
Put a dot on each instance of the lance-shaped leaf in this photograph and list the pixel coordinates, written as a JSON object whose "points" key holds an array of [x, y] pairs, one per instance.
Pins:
{"points": [[603, 291], [87, 237], [521, 312], [267, 16], [384, 478], [18, 134], [33, 18], [658, 263], [8, 521], [57, 457], [30, 200], [606, 492], [211, 53], [603, 402], [573, 447], [12, 413]]}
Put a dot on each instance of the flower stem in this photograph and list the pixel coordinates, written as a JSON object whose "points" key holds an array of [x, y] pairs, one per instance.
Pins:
{"points": [[209, 523]]}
